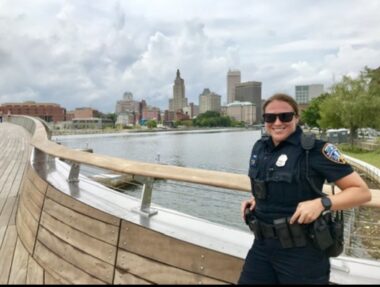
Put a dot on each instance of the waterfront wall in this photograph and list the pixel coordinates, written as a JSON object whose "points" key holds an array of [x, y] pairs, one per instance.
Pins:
{"points": [[371, 171], [77, 244]]}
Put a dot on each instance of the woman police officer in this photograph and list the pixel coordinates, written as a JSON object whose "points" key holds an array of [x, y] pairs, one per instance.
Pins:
{"points": [[282, 197]]}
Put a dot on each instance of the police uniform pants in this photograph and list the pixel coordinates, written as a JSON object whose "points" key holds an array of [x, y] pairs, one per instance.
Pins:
{"points": [[268, 263]]}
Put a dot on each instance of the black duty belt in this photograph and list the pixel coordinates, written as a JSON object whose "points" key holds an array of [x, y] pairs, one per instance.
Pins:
{"points": [[290, 235], [268, 231]]}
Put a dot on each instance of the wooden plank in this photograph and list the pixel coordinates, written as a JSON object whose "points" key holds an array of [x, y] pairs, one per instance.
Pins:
{"points": [[27, 227], [76, 257], [30, 204], [39, 183], [7, 211], [97, 248], [13, 168], [52, 279], [54, 264], [95, 228], [6, 253], [19, 265], [33, 193], [2, 233], [19, 175], [35, 273], [76, 205], [183, 255], [29, 172], [122, 278], [12, 219], [4, 181], [157, 272]]}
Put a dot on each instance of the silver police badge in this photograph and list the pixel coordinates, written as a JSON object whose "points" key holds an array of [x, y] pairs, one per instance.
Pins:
{"points": [[281, 161]]}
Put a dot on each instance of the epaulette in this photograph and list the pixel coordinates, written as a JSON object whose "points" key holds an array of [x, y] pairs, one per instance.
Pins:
{"points": [[307, 141]]}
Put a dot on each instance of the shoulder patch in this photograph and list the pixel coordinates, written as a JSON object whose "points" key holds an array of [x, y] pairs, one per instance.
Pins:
{"points": [[332, 153]]}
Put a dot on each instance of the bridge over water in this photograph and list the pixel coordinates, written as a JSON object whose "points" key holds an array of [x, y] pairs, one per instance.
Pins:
{"points": [[57, 226]]}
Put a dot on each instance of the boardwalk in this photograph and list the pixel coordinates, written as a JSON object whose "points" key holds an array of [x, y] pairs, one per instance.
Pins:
{"points": [[16, 266]]}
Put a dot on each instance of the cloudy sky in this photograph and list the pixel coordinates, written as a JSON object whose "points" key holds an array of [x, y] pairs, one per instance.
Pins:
{"points": [[88, 53]]}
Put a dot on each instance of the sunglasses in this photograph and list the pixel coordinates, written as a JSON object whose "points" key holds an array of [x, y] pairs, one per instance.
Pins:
{"points": [[284, 117]]}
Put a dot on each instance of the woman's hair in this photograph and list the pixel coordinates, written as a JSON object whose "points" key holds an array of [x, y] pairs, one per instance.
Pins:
{"points": [[283, 98]]}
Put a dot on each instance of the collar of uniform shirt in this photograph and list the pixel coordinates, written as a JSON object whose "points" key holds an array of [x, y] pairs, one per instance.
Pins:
{"points": [[294, 138]]}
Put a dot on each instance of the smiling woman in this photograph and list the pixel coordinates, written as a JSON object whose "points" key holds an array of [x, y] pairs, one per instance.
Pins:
{"points": [[287, 172], [280, 117]]}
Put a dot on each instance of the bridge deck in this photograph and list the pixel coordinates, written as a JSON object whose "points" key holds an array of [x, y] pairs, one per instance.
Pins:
{"points": [[16, 266]]}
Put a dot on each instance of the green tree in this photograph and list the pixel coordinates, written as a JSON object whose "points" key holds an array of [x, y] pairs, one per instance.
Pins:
{"points": [[311, 115], [110, 116], [186, 123], [212, 119], [151, 124], [374, 92], [350, 105]]}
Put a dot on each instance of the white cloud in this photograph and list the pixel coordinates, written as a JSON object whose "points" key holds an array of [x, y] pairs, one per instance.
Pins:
{"points": [[87, 53]]}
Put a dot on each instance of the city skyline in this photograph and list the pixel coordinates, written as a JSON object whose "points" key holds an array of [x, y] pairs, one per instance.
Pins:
{"points": [[87, 53]]}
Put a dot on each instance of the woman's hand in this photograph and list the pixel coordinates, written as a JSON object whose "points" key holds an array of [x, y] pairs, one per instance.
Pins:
{"points": [[307, 211], [250, 203]]}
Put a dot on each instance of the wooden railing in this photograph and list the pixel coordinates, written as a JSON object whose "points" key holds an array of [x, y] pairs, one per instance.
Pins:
{"points": [[40, 140]]}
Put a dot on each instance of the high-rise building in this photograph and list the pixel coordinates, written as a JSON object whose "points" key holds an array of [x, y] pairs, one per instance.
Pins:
{"points": [[250, 92], [242, 111], [305, 93], [233, 78], [129, 109], [179, 100], [127, 104], [209, 101]]}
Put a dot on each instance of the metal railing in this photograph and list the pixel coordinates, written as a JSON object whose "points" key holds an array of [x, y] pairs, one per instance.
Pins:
{"points": [[148, 173]]}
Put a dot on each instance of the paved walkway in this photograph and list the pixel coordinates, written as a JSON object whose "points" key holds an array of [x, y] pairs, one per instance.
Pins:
{"points": [[16, 266]]}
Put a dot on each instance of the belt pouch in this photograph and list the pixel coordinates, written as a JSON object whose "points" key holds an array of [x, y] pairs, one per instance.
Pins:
{"points": [[283, 234], [255, 228], [298, 234], [322, 235]]}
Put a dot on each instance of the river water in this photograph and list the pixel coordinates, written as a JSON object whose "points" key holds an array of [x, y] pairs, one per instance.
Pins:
{"points": [[220, 150]]}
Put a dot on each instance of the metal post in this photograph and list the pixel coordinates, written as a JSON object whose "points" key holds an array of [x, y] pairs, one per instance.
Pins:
{"points": [[146, 198], [74, 173]]}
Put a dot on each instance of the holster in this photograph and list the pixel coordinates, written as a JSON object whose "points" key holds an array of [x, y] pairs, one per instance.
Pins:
{"points": [[320, 233], [337, 232]]}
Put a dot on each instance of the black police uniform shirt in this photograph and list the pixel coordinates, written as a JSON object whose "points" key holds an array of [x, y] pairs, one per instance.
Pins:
{"points": [[283, 168]]}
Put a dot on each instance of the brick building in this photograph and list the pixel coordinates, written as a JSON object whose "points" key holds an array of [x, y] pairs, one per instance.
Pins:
{"points": [[46, 111]]}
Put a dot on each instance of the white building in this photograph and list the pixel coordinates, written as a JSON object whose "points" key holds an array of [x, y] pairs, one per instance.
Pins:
{"points": [[305, 93], [209, 101], [242, 112]]}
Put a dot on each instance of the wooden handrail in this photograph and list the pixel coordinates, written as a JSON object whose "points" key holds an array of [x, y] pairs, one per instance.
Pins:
{"points": [[192, 175]]}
